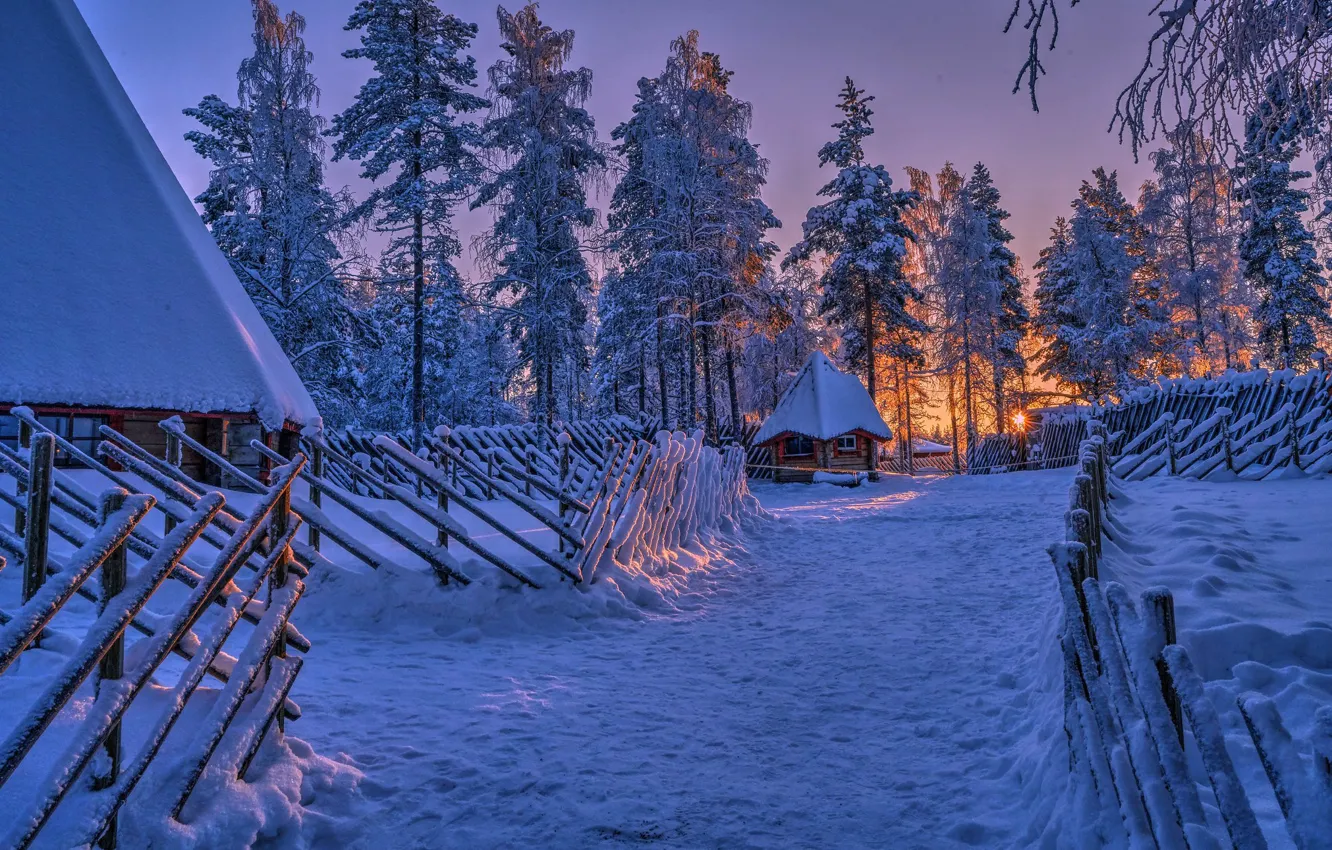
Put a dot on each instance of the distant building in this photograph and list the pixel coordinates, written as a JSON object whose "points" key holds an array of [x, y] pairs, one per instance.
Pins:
{"points": [[928, 448], [826, 420], [118, 307]]}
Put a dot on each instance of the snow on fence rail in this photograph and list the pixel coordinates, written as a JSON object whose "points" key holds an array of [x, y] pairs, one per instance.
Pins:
{"points": [[224, 558], [1252, 426], [1131, 693], [619, 505]]}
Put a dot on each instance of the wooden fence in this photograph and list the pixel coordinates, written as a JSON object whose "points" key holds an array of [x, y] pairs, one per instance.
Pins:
{"points": [[1131, 692], [1251, 425], [237, 567], [616, 502]]}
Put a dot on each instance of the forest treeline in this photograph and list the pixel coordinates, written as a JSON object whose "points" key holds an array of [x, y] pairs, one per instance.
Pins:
{"points": [[675, 302]]}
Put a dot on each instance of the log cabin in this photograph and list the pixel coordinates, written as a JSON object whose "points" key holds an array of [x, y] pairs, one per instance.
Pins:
{"points": [[118, 307], [825, 421]]}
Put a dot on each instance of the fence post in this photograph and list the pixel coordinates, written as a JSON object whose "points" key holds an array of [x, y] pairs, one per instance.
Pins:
{"points": [[490, 474], [1294, 439], [564, 440], [442, 433], [1170, 445], [1225, 431], [278, 523], [111, 667], [37, 519], [173, 456], [20, 515], [1160, 609], [316, 495], [1323, 746], [530, 466]]}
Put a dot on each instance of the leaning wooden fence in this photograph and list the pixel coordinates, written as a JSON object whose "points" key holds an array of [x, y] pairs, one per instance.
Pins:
{"points": [[1251, 425], [236, 567], [609, 504], [1131, 693]]}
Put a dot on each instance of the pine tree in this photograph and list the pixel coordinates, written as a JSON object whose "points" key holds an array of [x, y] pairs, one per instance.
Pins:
{"points": [[1008, 317], [688, 223], [546, 143], [1057, 319], [1096, 306], [1188, 210], [861, 232], [1277, 253], [271, 213], [406, 123]]}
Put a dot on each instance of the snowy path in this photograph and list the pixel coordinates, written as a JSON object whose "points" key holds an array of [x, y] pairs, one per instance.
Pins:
{"points": [[862, 673]]}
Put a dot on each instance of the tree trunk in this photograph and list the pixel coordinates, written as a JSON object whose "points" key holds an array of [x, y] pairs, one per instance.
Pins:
{"points": [[731, 387], [418, 324], [709, 395], [642, 382], [661, 371], [870, 383], [910, 438], [952, 416], [692, 340], [968, 409]]}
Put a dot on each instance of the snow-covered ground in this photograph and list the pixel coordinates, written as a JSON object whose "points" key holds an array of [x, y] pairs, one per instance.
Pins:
{"points": [[1248, 563], [867, 667], [871, 667]]}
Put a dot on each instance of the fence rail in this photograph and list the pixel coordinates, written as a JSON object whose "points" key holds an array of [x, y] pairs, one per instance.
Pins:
{"points": [[1131, 692]]}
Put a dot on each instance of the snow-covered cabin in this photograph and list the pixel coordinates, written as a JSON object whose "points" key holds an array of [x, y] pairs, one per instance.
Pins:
{"points": [[825, 420], [118, 308]]}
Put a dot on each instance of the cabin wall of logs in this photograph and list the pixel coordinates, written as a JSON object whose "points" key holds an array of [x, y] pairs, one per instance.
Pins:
{"points": [[1136, 713]]}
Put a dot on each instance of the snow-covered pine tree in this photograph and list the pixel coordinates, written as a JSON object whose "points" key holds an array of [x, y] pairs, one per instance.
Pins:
{"points": [[1092, 311], [860, 230], [1008, 318], [1056, 319], [468, 362], [546, 152], [1277, 251], [270, 211], [1191, 218], [687, 223], [406, 123], [793, 330]]}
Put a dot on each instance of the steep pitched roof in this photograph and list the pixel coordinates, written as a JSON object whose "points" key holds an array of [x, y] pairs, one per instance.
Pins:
{"points": [[824, 403], [113, 292]]}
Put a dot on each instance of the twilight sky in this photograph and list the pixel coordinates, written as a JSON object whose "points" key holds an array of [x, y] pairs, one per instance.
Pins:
{"points": [[941, 70]]}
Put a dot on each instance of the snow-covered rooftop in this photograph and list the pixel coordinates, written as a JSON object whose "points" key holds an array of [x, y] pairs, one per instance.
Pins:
{"points": [[113, 292], [922, 446], [824, 403]]}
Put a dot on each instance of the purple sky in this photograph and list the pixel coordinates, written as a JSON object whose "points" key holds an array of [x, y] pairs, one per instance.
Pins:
{"points": [[942, 72]]}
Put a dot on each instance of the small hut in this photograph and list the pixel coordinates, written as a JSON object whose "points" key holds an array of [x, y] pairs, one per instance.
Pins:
{"points": [[825, 421], [118, 307]]}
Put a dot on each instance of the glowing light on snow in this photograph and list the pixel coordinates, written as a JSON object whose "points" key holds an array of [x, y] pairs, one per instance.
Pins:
{"points": [[1020, 420]]}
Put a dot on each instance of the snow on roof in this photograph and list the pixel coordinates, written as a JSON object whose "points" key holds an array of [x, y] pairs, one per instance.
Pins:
{"points": [[920, 446], [112, 290], [824, 403]]}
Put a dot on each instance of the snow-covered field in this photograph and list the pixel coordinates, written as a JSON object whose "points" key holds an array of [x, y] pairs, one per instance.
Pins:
{"points": [[868, 668], [1248, 563]]}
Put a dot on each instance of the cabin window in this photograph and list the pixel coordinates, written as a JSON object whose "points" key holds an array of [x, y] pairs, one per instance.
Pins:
{"points": [[798, 447], [79, 430], [849, 444]]}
